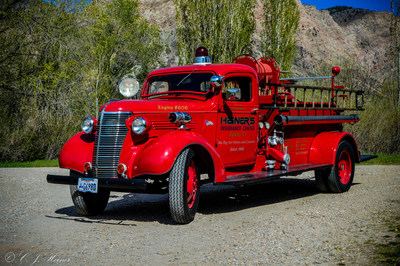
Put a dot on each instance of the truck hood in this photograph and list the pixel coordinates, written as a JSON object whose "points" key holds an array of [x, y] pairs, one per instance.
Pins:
{"points": [[154, 106]]}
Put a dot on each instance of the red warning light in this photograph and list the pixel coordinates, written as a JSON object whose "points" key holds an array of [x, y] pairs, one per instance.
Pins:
{"points": [[201, 51]]}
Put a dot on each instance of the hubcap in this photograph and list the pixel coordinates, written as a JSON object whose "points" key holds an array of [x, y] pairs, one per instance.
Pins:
{"points": [[191, 184], [344, 167]]}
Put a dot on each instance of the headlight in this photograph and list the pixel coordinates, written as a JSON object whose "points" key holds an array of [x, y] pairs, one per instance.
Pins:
{"points": [[129, 87], [88, 125], [139, 125]]}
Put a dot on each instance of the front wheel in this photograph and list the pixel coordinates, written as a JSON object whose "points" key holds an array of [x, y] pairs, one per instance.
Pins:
{"points": [[87, 203], [184, 187]]}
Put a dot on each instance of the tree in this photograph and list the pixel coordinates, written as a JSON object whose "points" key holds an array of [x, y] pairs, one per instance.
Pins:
{"points": [[278, 38], [57, 59], [224, 27], [395, 32], [120, 42], [36, 74]]}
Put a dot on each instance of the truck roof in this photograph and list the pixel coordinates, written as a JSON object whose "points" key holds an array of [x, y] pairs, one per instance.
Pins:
{"points": [[220, 69]]}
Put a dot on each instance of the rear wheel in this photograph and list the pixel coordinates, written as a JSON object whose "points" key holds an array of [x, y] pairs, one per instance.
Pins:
{"points": [[87, 203], [184, 187], [342, 173], [339, 177]]}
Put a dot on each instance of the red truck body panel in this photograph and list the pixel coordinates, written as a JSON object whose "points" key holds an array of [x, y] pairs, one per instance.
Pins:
{"points": [[77, 151]]}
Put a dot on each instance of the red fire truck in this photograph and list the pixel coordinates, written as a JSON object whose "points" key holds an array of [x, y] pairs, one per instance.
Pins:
{"points": [[236, 124]]}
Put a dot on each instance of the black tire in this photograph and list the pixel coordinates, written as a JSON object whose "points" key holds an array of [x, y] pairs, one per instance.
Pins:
{"points": [[321, 179], [87, 203], [184, 188], [342, 174]]}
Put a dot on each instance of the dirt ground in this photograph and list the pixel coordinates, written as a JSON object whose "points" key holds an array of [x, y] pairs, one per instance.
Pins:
{"points": [[285, 222]]}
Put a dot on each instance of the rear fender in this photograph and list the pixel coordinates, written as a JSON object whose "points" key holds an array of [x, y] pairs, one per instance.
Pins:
{"points": [[324, 146], [77, 151], [159, 155]]}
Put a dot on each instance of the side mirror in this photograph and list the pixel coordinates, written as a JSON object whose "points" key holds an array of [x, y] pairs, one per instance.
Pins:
{"points": [[233, 94], [216, 81]]}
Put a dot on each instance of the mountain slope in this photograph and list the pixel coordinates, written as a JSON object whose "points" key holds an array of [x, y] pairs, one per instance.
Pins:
{"points": [[355, 34], [323, 37]]}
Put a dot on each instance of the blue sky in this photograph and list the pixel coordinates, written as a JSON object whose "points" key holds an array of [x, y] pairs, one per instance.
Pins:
{"points": [[376, 5]]}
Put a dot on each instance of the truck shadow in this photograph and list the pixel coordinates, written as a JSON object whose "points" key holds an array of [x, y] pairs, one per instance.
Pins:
{"points": [[214, 201], [126, 209]]}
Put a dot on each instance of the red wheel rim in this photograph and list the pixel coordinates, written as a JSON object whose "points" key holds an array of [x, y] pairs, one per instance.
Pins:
{"points": [[191, 184], [344, 167]]}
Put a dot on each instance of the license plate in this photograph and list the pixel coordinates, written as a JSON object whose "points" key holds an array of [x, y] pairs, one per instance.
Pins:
{"points": [[88, 185]]}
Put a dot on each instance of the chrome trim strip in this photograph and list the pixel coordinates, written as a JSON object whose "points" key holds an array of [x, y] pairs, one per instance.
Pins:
{"points": [[119, 125], [108, 136], [98, 136]]}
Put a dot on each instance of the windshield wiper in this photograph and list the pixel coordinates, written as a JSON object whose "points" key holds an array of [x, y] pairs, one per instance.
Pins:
{"points": [[188, 75]]}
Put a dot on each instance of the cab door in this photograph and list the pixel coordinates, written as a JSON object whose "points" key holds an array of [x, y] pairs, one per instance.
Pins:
{"points": [[237, 130]]}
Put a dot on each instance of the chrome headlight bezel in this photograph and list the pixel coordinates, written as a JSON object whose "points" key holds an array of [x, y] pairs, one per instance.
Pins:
{"points": [[88, 125], [139, 125]]}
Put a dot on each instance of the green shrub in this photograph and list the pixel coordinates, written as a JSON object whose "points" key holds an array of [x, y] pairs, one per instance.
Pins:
{"points": [[379, 128]]}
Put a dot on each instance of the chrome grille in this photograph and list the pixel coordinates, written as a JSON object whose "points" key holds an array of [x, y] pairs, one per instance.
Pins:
{"points": [[111, 132]]}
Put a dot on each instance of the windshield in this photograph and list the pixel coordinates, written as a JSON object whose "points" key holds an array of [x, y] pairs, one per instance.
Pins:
{"points": [[198, 83]]}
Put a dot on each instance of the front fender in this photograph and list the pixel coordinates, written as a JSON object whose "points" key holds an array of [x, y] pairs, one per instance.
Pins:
{"points": [[77, 151], [324, 146], [159, 155]]}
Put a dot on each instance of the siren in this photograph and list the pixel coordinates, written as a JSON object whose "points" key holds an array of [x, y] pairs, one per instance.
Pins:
{"points": [[202, 56]]}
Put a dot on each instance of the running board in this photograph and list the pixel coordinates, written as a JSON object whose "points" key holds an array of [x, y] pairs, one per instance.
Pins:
{"points": [[267, 176], [367, 157]]}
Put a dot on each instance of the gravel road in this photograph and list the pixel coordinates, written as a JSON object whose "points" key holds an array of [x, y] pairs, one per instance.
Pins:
{"points": [[285, 222]]}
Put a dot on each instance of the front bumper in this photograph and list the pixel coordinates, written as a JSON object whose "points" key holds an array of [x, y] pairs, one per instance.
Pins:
{"points": [[114, 184]]}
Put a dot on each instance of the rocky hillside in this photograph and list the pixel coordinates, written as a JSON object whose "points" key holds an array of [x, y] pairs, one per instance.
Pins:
{"points": [[330, 36], [323, 37]]}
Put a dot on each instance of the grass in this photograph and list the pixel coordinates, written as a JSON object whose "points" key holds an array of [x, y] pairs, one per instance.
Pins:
{"points": [[389, 254], [37, 163], [384, 159]]}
